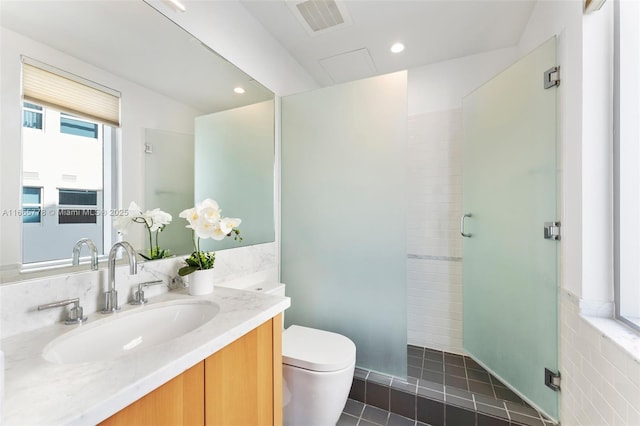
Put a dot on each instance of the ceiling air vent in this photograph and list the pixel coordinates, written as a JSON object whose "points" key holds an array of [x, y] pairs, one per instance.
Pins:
{"points": [[320, 16]]}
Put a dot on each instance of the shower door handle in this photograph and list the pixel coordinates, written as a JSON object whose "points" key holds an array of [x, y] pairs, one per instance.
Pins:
{"points": [[462, 225]]}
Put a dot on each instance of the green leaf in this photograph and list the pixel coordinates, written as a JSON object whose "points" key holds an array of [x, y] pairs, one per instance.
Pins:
{"points": [[186, 270]]}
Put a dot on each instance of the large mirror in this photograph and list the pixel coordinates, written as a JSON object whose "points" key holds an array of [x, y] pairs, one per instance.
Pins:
{"points": [[178, 114]]}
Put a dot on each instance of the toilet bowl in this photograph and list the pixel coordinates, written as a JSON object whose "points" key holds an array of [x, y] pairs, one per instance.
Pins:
{"points": [[317, 370]]}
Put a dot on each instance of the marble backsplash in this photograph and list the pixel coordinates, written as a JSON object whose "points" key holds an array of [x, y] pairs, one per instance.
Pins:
{"points": [[238, 267]]}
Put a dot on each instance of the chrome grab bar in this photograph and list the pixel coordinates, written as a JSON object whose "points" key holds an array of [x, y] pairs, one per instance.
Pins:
{"points": [[462, 225]]}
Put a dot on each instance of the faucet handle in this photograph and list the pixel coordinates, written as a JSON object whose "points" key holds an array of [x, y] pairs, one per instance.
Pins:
{"points": [[75, 315], [138, 296]]}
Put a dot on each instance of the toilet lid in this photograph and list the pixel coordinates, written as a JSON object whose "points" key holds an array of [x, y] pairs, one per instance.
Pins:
{"points": [[316, 350]]}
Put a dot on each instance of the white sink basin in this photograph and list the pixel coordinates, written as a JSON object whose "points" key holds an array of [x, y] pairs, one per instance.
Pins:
{"points": [[125, 332]]}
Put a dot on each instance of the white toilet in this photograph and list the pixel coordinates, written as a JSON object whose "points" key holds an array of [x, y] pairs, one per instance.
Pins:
{"points": [[317, 369]]}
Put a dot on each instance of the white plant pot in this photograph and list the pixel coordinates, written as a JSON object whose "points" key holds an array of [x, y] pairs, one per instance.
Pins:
{"points": [[201, 282]]}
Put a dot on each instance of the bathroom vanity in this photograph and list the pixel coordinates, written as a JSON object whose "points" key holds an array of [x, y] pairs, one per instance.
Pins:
{"points": [[226, 371]]}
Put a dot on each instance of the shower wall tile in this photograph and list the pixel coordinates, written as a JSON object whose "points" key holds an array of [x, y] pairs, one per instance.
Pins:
{"points": [[434, 267]]}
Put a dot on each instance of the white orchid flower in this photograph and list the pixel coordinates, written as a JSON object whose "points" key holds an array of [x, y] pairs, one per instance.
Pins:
{"points": [[208, 202], [228, 223], [134, 209], [205, 229], [217, 232], [122, 222], [209, 210], [191, 215], [156, 219], [206, 221], [163, 218]]}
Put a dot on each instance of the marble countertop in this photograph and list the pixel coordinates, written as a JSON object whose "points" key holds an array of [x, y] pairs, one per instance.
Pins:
{"points": [[38, 392]]}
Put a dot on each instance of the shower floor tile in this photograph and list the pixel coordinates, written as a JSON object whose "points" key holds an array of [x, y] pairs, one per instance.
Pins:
{"points": [[441, 389], [457, 372]]}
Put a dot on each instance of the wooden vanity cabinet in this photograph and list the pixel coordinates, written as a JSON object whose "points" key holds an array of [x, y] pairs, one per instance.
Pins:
{"points": [[180, 401], [241, 384]]}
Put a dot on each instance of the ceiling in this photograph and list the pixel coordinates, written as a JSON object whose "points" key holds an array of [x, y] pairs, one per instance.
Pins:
{"points": [[432, 30], [161, 56]]}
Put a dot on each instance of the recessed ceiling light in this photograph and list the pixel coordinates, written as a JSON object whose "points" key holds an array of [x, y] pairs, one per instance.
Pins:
{"points": [[397, 47], [239, 90]]}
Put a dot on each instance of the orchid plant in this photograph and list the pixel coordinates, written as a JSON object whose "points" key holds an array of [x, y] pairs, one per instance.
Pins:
{"points": [[154, 220], [206, 221]]}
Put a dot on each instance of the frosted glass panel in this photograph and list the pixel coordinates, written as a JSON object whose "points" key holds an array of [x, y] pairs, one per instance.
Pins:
{"points": [[343, 215], [234, 166], [509, 269], [168, 177]]}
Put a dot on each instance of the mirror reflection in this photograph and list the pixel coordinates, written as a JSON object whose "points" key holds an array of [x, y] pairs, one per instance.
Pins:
{"points": [[69, 137], [76, 171]]}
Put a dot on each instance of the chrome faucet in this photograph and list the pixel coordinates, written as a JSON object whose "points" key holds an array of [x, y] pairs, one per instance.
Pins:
{"points": [[111, 295], [92, 248]]}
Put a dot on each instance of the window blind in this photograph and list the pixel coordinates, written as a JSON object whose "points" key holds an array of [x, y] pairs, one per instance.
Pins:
{"points": [[46, 87]]}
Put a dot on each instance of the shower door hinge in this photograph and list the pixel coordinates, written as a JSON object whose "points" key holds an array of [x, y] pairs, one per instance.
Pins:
{"points": [[552, 77], [148, 148], [552, 380], [552, 230]]}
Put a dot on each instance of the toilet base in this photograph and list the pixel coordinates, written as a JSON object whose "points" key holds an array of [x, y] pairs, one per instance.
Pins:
{"points": [[314, 398]]}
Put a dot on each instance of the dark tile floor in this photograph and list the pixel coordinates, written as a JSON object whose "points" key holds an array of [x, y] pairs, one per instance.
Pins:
{"points": [[456, 371], [441, 389], [357, 413]]}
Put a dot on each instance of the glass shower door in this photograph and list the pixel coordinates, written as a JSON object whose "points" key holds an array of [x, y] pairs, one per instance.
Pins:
{"points": [[510, 191]]}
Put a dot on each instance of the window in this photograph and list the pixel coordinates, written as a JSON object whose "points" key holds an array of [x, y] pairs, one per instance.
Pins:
{"points": [[75, 126], [627, 162], [32, 116], [77, 197], [31, 204], [71, 161], [80, 202]]}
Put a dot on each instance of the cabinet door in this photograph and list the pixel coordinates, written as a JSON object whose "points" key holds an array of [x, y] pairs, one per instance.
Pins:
{"points": [[243, 381], [178, 402]]}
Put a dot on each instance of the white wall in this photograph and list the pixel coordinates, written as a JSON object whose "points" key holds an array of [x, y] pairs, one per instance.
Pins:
{"points": [[441, 86], [434, 245], [140, 109]]}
